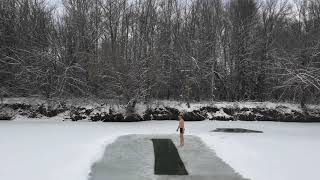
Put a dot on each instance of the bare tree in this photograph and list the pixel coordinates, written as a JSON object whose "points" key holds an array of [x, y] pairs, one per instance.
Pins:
{"points": [[144, 49]]}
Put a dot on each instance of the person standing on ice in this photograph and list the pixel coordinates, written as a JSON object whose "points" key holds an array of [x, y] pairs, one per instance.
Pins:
{"points": [[181, 128]]}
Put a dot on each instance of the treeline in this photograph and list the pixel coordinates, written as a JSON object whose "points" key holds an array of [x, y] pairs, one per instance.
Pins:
{"points": [[162, 49]]}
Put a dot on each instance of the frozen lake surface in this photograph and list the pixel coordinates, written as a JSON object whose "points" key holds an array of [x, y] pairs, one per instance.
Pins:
{"points": [[54, 150]]}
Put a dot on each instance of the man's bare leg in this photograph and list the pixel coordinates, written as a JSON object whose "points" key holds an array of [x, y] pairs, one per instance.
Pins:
{"points": [[181, 140]]}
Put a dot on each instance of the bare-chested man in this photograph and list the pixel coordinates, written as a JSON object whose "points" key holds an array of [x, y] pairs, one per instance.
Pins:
{"points": [[181, 128]]}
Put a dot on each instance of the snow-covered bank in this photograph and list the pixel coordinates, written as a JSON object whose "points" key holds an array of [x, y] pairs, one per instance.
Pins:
{"points": [[55, 150], [112, 111]]}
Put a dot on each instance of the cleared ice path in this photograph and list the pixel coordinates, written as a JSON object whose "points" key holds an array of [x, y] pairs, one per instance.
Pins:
{"points": [[131, 157]]}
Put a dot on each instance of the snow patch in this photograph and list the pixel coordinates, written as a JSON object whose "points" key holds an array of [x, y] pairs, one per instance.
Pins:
{"points": [[221, 113]]}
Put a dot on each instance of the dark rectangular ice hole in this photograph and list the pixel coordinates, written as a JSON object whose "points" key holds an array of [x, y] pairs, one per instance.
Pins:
{"points": [[167, 159]]}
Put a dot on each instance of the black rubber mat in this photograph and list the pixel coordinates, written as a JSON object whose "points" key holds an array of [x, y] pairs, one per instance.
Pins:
{"points": [[167, 159]]}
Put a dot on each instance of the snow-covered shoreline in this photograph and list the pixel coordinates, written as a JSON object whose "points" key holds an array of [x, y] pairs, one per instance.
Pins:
{"points": [[56, 150], [111, 110]]}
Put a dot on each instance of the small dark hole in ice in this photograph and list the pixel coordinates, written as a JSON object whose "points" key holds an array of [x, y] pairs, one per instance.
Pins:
{"points": [[236, 130]]}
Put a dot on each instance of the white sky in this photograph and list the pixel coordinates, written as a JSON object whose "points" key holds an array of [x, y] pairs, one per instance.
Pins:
{"points": [[55, 2], [58, 4]]}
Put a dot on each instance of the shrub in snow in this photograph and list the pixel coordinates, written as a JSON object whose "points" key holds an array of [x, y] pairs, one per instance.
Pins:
{"points": [[6, 114], [133, 118], [174, 113], [229, 111], [147, 115], [96, 117], [209, 109], [220, 116], [298, 115], [34, 114], [278, 114], [294, 116], [118, 117], [50, 111], [214, 113], [76, 117], [17, 106], [166, 113], [313, 119], [267, 114], [193, 116], [42, 110], [245, 115], [88, 111], [110, 117], [107, 118], [258, 114], [20, 108], [77, 114], [159, 114], [313, 115]]}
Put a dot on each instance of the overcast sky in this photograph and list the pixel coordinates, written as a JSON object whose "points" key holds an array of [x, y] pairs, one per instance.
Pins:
{"points": [[55, 2]]}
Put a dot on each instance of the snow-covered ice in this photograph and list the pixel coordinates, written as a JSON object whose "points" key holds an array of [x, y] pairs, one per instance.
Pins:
{"points": [[56, 150], [137, 160]]}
